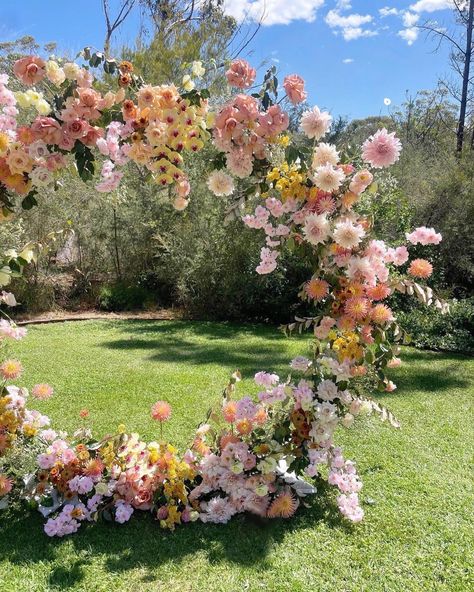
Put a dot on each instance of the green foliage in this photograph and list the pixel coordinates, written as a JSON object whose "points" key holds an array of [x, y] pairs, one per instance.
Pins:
{"points": [[428, 328], [118, 297]]}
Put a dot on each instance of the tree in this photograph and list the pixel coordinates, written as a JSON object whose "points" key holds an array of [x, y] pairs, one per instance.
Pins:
{"points": [[462, 55], [125, 8]]}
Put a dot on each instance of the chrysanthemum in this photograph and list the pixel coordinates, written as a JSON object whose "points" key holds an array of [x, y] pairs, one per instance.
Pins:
{"points": [[325, 204], [11, 369], [316, 228], [378, 292], [381, 314], [42, 391], [244, 426], [283, 506], [94, 468], [382, 149], [420, 268], [328, 178], [220, 183], [356, 308], [6, 484], [315, 123], [229, 410], [325, 154], [161, 411], [316, 289], [348, 235]]}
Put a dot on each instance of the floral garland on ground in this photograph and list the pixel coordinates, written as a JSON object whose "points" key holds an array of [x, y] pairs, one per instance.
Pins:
{"points": [[250, 455]]}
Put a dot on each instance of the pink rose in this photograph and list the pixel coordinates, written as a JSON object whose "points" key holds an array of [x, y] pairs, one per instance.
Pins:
{"points": [[241, 74], [30, 70], [47, 129], [294, 88], [92, 135], [77, 128]]}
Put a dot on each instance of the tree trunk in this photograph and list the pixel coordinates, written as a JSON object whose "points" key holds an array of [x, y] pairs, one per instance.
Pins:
{"points": [[465, 79]]}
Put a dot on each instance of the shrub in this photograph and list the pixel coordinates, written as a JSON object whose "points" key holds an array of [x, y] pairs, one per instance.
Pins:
{"points": [[117, 297], [430, 329]]}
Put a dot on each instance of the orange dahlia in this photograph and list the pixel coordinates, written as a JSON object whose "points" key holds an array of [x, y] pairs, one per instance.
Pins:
{"points": [[420, 268], [283, 506], [357, 308], [161, 411], [317, 289]]}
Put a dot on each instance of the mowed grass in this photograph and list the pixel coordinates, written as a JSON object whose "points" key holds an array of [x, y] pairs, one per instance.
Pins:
{"points": [[418, 481]]}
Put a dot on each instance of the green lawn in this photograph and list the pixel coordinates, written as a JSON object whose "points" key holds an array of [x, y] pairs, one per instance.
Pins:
{"points": [[418, 481]]}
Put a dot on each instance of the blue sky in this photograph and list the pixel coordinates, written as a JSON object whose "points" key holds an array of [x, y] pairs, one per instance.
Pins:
{"points": [[352, 53]]}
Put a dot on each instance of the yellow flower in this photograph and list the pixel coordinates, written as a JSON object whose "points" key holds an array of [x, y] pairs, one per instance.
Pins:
{"points": [[284, 140], [4, 142], [188, 84], [197, 69], [121, 428]]}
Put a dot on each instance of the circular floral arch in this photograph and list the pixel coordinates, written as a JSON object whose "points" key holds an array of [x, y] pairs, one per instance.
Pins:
{"points": [[249, 455]]}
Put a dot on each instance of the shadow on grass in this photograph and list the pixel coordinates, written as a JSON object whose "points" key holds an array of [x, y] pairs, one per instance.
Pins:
{"points": [[200, 343], [245, 541], [419, 374]]}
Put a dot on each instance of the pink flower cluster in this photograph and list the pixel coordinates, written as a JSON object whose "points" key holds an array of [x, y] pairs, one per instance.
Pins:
{"points": [[424, 236], [242, 131]]}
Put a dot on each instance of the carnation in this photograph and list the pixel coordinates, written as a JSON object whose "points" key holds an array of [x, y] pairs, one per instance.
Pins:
{"points": [[328, 178], [315, 123], [382, 149], [220, 183]]}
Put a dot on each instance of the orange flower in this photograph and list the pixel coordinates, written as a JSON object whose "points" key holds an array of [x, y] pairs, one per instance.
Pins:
{"points": [[357, 308], [244, 426], [420, 268], [6, 484], [378, 292], [381, 314], [316, 289], [229, 410], [126, 67], [283, 506], [11, 369], [161, 411]]}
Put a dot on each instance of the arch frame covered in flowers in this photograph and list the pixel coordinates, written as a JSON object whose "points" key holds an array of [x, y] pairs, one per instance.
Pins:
{"points": [[249, 455]]}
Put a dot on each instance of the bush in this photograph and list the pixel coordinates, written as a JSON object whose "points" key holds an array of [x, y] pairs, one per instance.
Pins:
{"points": [[430, 329], [118, 297]]}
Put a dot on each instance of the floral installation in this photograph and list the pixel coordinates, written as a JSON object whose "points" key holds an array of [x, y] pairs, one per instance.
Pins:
{"points": [[257, 455]]}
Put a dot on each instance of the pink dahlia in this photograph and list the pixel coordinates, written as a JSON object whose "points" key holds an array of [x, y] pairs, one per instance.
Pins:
{"points": [[42, 391], [161, 411], [420, 268], [382, 149], [315, 123]]}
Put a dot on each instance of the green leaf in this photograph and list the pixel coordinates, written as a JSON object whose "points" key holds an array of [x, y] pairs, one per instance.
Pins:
{"points": [[29, 201]]}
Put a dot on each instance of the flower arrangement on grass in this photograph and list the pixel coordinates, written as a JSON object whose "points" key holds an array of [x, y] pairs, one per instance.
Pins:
{"points": [[253, 455]]}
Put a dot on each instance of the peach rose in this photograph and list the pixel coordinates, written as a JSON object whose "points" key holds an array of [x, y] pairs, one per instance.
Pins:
{"points": [[47, 129], [30, 70], [76, 129], [294, 88], [241, 74]]}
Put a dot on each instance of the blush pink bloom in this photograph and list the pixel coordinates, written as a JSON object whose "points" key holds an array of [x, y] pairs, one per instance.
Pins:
{"points": [[47, 129], [42, 391], [241, 74], [77, 128], [294, 88], [382, 149], [161, 411], [420, 268], [30, 70], [315, 123], [424, 236]]}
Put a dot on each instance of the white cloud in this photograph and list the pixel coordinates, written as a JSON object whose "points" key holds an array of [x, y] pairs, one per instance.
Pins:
{"points": [[273, 12], [410, 35], [351, 33], [350, 25], [334, 19], [343, 5], [348, 61], [410, 19], [387, 11], [431, 5]]}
